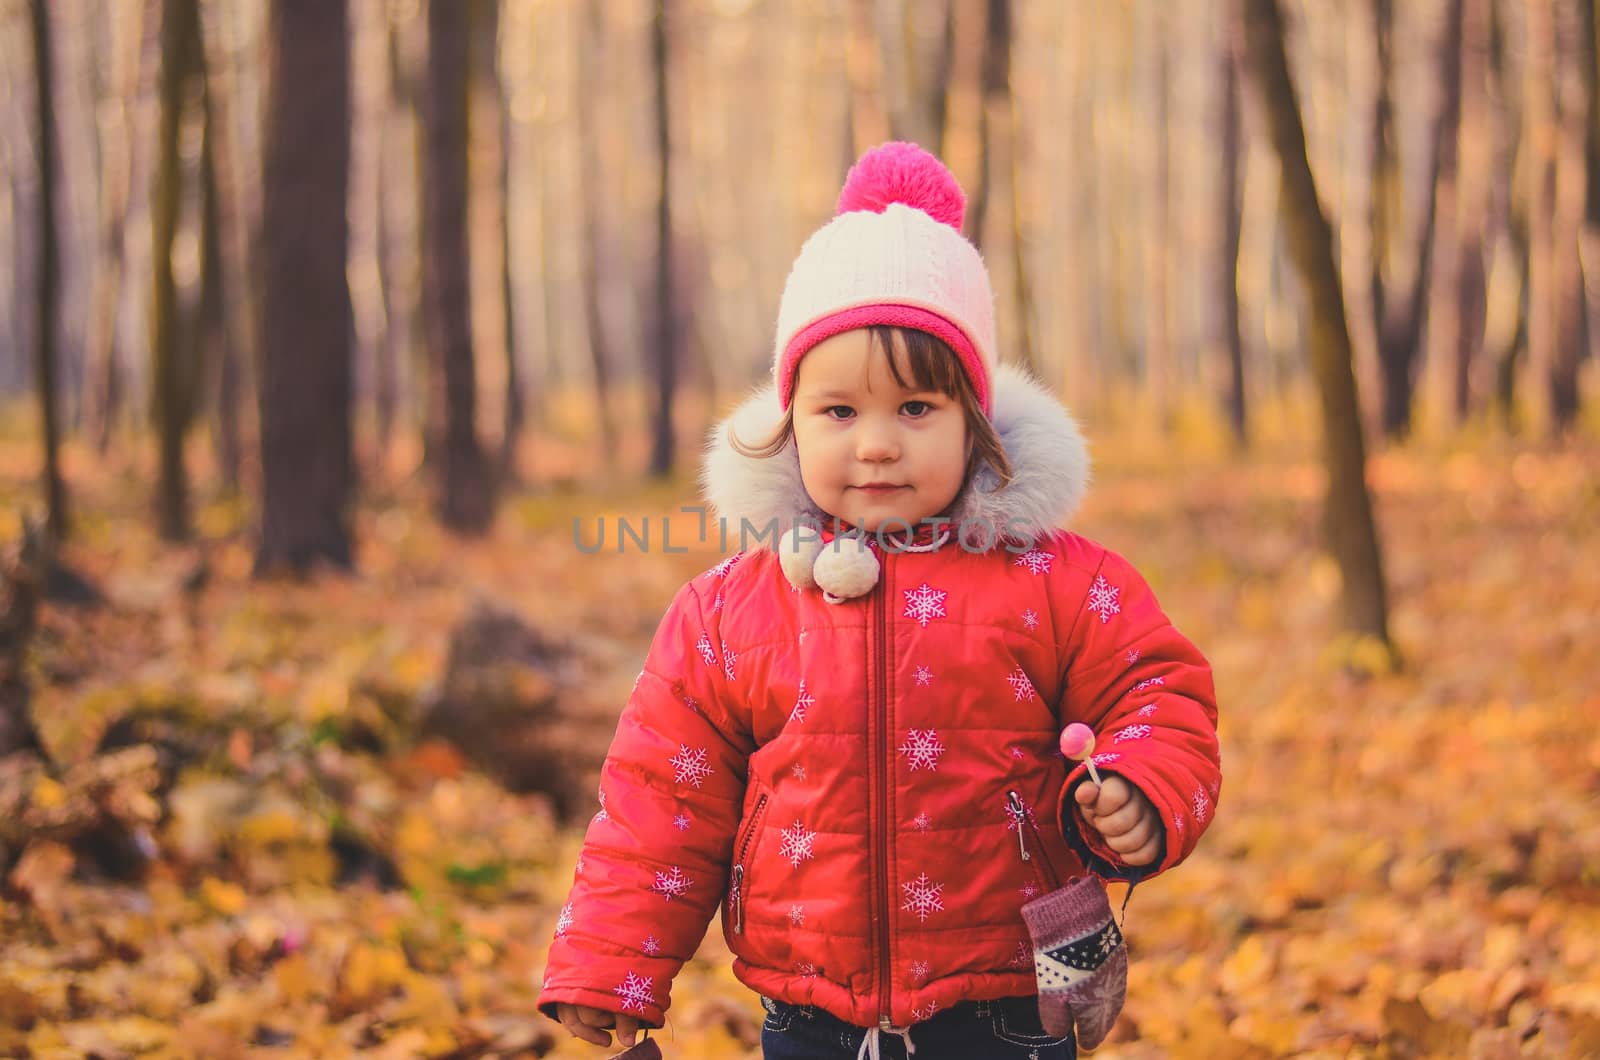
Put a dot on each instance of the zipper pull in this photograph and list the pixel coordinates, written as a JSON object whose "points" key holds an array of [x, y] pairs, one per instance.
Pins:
{"points": [[738, 899], [1018, 814]]}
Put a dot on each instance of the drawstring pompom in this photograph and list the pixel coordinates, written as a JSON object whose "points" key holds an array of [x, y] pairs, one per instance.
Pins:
{"points": [[796, 554], [846, 568]]}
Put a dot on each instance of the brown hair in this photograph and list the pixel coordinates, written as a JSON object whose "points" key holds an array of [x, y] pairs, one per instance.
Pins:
{"points": [[932, 365]]}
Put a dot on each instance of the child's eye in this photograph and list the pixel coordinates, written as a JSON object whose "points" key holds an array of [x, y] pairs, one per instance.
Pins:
{"points": [[916, 409], [838, 412]]}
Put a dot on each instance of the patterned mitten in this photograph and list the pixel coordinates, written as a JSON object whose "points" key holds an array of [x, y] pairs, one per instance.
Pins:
{"points": [[1080, 961], [646, 1049]]}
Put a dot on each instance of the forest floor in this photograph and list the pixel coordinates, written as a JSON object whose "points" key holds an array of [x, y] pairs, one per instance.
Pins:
{"points": [[1404, 862]]}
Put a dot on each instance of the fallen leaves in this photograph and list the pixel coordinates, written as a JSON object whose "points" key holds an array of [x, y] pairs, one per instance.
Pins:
{"points": [[1405, 863]]}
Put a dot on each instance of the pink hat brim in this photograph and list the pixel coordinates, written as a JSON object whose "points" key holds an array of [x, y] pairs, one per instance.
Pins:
{"points": [[905, 316]]}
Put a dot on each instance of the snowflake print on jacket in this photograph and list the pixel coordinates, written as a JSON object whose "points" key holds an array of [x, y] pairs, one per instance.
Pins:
{"points": [[924, 603], [1103, 599], [796, 846], [800, 704], [923, 896], [689, 766], [635, 992], [922, 749], [670, 885], [1037, 560]]}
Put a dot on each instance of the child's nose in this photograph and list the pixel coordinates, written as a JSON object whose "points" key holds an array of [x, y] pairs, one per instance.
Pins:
{"points": [[876, 444]]}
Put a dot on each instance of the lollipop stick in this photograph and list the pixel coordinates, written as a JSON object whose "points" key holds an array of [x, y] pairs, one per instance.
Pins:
{"points": [[1094, 774]]}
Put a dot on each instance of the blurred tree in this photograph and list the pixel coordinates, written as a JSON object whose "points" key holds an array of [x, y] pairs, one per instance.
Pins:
{"points": [[103, 387], [915, 39], [1444, 313], [174, 370], [48, 280], [1156, 213], [1231, 188], [209, 345], [1511, 208], [465, 497], [1347, 509], [997, 159], [866, 117], [1400, 285], [666, 345], [398, 244], [1466, 299], [306, 323], [491, 87], [234, 329], [591, 48], [1573, 38]]}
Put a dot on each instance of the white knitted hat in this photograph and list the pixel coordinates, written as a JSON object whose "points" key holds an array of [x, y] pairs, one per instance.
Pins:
{"points": [[893, 254]]}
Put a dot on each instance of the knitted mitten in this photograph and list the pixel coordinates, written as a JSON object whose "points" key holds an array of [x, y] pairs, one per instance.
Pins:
{"points": [[646, 1049], [1079, 958]]}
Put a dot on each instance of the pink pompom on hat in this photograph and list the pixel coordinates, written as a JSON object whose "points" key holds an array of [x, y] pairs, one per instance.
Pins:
{"points": [[892, 254]]}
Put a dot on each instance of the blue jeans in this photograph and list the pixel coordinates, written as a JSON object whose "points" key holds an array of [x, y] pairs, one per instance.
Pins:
{"points": [[1007, 1029]]}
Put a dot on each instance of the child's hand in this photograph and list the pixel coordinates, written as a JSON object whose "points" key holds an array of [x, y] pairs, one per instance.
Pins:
{"points": [[589, 1023], [1121, 813]]}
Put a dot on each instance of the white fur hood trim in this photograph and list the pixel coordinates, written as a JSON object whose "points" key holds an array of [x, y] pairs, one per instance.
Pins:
{"points": [[1049, 462]]}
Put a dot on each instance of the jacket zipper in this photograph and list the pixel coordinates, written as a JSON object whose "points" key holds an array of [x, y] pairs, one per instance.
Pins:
{"points": [[738, 865], [1042, 866], [880, 760]]}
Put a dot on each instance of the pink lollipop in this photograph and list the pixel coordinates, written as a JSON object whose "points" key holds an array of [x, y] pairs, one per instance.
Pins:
{"points": [[1077, 742]]}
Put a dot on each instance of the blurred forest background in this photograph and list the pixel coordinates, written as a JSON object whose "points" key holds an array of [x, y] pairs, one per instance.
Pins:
{"points": [[327, 324]]}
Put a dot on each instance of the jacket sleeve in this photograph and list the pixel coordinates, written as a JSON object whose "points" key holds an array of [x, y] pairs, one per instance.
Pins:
{"points": [[1147, 693], [655, 859]]}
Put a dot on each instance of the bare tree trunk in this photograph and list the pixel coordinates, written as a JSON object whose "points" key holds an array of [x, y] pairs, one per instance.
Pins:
{"points": [[211, 341], [1231, 187], [397, 244], [307, 466], [1541, 83], [465, 499], [236, 279], [666, 358], [1444, 313], [1514, 173], [962, 135], [1473, 204], [1347, 513], [180, 46], [994, 82], [48, 282], [1400, 315], [915, 75], [1573, 40], [516, 400], [869, 121], [1157, 220], [1021, 272], [592, 36], [104, 387]]}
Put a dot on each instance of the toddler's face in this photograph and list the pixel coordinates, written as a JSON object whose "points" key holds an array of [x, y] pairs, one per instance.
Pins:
{"points": [[871, 451]]}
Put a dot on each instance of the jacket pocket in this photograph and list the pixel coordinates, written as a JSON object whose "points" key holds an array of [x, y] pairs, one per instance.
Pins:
{"points": [[744, 849], [1030, 843]]}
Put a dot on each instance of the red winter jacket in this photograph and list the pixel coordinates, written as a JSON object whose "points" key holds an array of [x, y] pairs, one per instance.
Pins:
{"points": [[854, 782]]}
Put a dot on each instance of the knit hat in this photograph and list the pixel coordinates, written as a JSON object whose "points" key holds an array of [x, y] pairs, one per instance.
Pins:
{"points": [[893, 254]]}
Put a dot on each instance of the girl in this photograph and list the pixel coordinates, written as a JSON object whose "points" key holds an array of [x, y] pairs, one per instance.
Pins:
{"points": [[847, 734]]}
